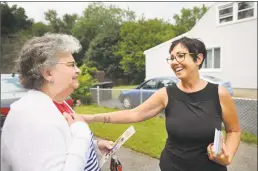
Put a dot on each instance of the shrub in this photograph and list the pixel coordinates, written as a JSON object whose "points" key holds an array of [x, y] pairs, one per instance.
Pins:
{"points": [[86, 81]]}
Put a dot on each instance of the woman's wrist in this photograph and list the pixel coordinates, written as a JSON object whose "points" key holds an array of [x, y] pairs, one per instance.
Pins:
{"points": [[100, 118]]}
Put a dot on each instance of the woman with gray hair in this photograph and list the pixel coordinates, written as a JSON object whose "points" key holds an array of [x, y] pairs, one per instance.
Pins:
{"points": [[36, 136]]}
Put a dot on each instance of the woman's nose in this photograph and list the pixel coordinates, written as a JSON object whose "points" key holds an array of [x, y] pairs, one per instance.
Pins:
{"points": [[77, 70]]}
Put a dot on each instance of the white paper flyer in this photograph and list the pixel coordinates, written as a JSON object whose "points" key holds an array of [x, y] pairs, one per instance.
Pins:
{"points": [[118, 143], [217, 146]]}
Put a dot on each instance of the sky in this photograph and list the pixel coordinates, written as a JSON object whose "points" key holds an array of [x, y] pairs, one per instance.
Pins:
{"points": [[162, 10]]}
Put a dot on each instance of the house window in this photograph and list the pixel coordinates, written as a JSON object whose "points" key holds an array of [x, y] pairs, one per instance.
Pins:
{"points": [[226, 13], [245, 10], [213, 59], [237, 11]]}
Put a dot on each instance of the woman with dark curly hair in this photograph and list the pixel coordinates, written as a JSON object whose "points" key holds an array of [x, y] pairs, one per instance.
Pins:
{"points": [[194, 108], [36, 136]]}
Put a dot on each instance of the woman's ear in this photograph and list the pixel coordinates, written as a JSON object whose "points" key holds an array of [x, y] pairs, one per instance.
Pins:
{"points": [[46, 73], [199, 59]]}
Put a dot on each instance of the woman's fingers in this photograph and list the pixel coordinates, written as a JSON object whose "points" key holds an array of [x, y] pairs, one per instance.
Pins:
{"points": [[68, 117], [209, 152]]}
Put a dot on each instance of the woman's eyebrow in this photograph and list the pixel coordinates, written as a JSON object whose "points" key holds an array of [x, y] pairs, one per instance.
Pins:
{"points": [[180, 52]]}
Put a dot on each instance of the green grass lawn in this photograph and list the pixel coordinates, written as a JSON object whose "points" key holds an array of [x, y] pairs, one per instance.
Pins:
{"points": [[150, 135], [149, 138]]}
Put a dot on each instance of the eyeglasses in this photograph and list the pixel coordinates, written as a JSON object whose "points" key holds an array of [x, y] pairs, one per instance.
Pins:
{"points": [[180, 57], [69, 64]]}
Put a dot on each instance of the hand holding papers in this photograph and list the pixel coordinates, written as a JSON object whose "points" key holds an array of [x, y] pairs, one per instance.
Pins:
{"points": [[217, 146], [217, 151], [118, 143]]}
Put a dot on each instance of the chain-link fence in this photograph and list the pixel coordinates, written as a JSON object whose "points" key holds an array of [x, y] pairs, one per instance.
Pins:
{"points": [[129, 98]]}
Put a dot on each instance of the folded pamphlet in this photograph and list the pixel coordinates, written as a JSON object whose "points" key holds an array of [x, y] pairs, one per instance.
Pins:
{"points": [[118, 143], [217, 146]]}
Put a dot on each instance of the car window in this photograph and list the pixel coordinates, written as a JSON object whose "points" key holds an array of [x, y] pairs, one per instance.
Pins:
{"points": [[9, 85], [151, 84], [165, 83]]}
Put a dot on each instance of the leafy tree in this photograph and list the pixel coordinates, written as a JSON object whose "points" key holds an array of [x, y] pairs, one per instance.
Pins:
{"points": [[99, 19], [136, 37], [13, 19], [53, 20], [187, 18], [60, 25], [39, 29], [101, 53], [68, 22]]}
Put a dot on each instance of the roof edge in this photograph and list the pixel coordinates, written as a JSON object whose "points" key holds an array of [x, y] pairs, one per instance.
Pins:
{"points": [[169, 41]]}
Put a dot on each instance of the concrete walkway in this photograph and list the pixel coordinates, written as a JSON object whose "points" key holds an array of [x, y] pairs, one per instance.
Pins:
{"points": [[245, 160]]}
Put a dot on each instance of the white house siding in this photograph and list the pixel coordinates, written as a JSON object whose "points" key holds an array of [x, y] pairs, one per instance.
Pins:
{"points": [[156, 64], [155, 60], [238, 43]]}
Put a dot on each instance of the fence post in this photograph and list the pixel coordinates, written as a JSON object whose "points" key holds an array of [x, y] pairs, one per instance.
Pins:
{"points": [[141, 96], [98, 102]]}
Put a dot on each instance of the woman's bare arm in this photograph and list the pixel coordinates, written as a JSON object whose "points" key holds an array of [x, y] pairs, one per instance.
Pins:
{"points": [[150, 108], [230, 119]]}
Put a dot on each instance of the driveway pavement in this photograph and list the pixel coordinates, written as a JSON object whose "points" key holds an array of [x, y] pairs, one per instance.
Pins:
{"points": [[245, 160]]}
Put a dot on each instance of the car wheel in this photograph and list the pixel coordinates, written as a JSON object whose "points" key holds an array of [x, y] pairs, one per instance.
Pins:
{"points": [[127, 102]]}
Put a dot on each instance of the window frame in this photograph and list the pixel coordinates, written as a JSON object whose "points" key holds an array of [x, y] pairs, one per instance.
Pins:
{"points": [[221, 60], [235, 13], [225, 6], [254, 5]]}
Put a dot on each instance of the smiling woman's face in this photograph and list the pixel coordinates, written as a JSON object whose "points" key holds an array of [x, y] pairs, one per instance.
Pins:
{"points": [[183, 63]]}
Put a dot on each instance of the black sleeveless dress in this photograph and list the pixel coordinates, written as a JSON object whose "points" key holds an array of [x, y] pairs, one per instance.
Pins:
{"points": [[191, 119]]}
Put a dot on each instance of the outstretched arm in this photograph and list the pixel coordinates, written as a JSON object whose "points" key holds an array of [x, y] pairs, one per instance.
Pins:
{"points": [[150, 108]]}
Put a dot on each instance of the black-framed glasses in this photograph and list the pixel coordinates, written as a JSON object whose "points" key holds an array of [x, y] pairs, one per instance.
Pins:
{"points": [[180, 57], [69, 64]]}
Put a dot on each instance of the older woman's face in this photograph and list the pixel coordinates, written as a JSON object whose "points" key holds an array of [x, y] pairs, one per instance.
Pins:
{"points": [[183, 64], [65, 74]]}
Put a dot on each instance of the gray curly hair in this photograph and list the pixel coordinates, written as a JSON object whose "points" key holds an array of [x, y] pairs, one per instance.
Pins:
{"points": [[40, 53]]}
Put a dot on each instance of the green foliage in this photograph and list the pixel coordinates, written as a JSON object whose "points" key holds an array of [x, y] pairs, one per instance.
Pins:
{"points": [[185, 21], [13, 19], [68, 22], [136, 37], [10, 48], [86, 81], [101, 54], [53, 21], [111, 38], [99, 19], [39, 29], [142, 141], [60, 25]]}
